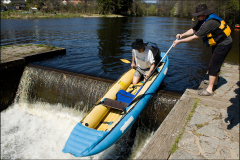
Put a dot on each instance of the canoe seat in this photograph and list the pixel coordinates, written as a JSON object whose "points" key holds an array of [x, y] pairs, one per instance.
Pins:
{"points": [[115, 104], [124, 96]]}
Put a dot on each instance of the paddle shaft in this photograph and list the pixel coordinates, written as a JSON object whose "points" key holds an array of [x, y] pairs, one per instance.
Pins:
{"points": [[157, 65], [166, 54]]}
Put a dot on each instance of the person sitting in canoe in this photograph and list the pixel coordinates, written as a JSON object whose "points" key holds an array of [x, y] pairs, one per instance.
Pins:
{"points": [[144, 60]]}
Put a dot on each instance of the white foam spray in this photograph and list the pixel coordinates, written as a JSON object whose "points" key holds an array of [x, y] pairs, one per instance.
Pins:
{"points": [[36, 132]]}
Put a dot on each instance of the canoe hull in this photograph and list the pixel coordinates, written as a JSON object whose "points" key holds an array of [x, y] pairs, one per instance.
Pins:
{"points": [[128, 120], [86, 141]]}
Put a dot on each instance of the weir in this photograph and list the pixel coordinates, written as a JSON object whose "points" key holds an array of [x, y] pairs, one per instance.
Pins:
{"points": [[74, 90], [56, 86], [62, 99]]}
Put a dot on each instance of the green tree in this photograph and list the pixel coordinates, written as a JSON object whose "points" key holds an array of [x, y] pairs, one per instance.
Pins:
{"points": [[138, 9], [28, 2], [100, 9], [226, 9], [152, 10], [115, 6]]}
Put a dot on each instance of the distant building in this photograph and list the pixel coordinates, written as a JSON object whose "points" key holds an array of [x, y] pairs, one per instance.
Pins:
{"points": [[6, 1], [17, 4], [33, 10], [14, 1]]}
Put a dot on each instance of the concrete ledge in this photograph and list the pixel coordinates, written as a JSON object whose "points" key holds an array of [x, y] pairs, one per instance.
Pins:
{"points": [[29, 52], [160, 144], [11, 73], [12, 67], [44, 55]]}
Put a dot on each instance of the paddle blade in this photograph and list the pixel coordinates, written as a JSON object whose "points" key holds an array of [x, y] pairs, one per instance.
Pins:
{"points": [[125, 60]]}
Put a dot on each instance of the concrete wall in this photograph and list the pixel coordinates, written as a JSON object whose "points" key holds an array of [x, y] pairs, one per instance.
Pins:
{"points": [[11, 72]]}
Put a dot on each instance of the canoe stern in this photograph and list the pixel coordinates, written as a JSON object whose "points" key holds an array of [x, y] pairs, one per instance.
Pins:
{"points": [[82, 140]]}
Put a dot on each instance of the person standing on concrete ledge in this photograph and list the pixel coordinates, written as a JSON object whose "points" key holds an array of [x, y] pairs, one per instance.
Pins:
{"points": [[215, 33]]}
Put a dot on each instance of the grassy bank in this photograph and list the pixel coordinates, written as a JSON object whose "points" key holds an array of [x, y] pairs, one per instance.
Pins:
{"points": [[39, 15]]}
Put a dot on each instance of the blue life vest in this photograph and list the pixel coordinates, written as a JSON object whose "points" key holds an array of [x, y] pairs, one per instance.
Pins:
{"points": [[219, 34]]}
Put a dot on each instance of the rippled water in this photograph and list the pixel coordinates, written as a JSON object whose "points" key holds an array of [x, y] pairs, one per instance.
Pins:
{"points": [[95, 45]]}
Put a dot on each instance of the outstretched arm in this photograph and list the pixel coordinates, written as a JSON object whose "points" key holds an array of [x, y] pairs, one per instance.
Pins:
{"points": [[185, 40], [186, 34]]}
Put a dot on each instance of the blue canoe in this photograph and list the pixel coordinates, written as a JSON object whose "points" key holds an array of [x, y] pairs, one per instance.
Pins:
{"points": [[111, 117]]}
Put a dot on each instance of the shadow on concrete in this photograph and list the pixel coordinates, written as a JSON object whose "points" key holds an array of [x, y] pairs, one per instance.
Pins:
{"points": [[233, 110], [221, 82]]}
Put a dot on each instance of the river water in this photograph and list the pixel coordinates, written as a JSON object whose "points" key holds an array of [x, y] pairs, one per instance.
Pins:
{"points": [[94, 47]]}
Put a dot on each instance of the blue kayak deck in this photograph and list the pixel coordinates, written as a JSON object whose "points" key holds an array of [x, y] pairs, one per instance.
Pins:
{"points": [[82, 140]]}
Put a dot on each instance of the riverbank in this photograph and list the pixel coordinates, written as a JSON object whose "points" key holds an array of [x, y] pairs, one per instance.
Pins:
{"points": [[201, 127], [42, 15]]}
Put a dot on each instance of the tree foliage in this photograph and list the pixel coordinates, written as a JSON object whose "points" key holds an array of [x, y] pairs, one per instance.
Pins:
{"points": [[152, 10], [138, 8], [115, 6], [227, 9]]}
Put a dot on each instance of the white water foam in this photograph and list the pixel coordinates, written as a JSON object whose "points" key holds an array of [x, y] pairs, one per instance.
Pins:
{"points": [[36, 132], [40, 131], [140, 142]]}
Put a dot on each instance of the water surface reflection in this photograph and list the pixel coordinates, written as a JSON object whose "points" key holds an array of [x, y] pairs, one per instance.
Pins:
{"points": [[95, 45]]}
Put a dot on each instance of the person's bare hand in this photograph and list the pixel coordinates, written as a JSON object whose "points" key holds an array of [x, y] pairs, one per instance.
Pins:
{"points": [[178, 36], [147, 74], [133, 65], [176, 42]]}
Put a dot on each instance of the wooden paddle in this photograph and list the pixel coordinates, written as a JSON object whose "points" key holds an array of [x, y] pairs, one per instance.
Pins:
{"points": [[125, 60]]}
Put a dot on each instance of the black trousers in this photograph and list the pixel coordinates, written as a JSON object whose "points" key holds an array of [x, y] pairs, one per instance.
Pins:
{"points": [[219, 54]]}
